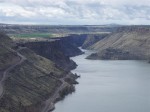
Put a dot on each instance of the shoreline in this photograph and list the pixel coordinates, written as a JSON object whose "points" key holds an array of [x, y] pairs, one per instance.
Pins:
{"points": [[105, 81], [63, 90]]}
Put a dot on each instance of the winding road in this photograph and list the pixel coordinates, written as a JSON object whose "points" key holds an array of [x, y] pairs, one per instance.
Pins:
{"points": [[48, 104], [6, 72]]}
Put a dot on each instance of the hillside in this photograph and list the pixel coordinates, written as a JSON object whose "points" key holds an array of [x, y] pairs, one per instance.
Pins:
{"points": [[129, 42], [92, 39], [27, 80], [59, 50]]}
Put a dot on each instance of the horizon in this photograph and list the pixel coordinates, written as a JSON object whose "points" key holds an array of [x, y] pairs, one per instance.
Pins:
{"points": [[47, 24], [75, 12]]}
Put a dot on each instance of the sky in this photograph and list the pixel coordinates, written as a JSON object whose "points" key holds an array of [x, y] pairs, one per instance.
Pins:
{"points": [[75, 12]]}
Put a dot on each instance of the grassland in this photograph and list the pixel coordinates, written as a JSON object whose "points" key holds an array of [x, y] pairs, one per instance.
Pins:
{"points": [[33, 35], [50, 35]]}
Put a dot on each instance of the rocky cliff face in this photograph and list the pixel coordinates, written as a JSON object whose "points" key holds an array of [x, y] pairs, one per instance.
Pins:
{"points": [[92, 39], [59, 50], [133, 40], [27, 80], [76, 39], [51, 51]]}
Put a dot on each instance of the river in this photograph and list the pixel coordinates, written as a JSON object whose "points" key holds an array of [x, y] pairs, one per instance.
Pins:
{"points": [[109, 86]]}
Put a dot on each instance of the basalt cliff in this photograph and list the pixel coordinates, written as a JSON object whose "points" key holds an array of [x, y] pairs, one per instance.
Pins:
{"points": [[34, 75]]}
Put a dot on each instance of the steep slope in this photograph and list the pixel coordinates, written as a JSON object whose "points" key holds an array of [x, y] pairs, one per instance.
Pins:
{"points": [[58, 50], [130, 42], [30, 82], [92, 39], [7, 57], [49, 50], [28, 85], [75, 39]]}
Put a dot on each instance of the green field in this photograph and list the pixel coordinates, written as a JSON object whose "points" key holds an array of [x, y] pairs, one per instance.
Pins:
{"points": [[33, 35]]}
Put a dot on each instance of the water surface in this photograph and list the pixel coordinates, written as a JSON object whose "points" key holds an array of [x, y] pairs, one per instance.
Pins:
{"points": [[109, 86]]}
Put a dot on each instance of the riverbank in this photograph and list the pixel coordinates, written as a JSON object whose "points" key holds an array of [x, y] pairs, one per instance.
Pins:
{"points": [[64, 89], [43, 75], [109, 85]]}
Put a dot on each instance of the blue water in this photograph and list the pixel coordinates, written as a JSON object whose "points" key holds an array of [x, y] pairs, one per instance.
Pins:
{"points": [[109, 86]]}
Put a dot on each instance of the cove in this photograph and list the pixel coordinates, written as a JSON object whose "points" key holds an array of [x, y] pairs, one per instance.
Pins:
{"points": [[109, 86]]}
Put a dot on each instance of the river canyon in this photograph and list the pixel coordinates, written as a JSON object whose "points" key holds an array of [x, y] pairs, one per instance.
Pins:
{"points": [[109, 86]]}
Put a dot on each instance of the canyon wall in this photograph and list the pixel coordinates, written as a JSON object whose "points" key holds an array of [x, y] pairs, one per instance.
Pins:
{"points": [[27, 79], [92, 39], [59, 50], [128, 42]]}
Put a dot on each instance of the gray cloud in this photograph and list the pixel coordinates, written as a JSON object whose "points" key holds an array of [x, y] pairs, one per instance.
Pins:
{"points": [[75, 11]]}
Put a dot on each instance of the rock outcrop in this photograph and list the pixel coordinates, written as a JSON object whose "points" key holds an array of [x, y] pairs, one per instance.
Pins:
{"points": [[59, 50]]}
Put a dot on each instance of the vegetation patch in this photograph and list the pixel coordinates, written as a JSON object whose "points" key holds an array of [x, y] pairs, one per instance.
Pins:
{"points": [[33, 35]]}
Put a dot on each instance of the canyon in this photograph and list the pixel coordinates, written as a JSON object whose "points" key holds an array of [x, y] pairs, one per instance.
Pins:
{"points": [[36, 74]]}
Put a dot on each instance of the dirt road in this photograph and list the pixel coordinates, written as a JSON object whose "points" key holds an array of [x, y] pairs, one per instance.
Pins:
{"points": [[6, 72]]}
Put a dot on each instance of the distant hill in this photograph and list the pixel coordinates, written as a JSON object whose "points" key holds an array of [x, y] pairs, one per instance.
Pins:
{"points": [[128, 42], [60, 29]]}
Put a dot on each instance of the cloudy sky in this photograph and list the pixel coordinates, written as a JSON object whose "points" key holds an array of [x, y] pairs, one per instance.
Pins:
{"points": [[75, 12]]}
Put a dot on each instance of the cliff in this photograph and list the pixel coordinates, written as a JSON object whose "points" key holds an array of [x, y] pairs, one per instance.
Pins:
{"points": [[132, 42], [92, 39], [59, 50], [27, 80]]}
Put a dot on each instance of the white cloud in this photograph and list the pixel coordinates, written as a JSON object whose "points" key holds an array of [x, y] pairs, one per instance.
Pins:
{"points": [[14, 10], [76, 11]]}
